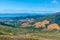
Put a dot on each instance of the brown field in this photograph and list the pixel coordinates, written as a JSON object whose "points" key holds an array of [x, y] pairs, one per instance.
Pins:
{"points": [[29, 37]]}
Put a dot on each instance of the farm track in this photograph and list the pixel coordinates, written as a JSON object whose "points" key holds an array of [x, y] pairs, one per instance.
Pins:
{"points": [[39, 37]]}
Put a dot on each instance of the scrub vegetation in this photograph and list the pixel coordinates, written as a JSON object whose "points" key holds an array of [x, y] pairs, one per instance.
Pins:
{"points": [[30, 28]]}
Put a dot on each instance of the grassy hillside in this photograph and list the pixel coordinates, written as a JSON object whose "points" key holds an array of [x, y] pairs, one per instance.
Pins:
{"points": [[10, 33], [31, 28]]}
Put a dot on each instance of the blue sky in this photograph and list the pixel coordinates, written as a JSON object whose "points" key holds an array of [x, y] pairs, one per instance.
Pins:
{"points": [[29, 6]]}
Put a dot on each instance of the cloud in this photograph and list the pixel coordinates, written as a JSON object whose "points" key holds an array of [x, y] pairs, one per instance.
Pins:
{"points": [[54, 1], [24, 11]]}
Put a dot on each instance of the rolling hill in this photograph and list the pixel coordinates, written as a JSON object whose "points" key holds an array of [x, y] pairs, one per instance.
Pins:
{"points": [[16, 21], [10, 27]]}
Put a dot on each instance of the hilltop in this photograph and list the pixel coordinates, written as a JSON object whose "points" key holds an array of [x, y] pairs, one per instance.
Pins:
{"points": [[31, 19], [30, 27]]}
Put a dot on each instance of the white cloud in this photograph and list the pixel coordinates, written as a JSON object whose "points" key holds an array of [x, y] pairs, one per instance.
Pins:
{"points": [[24, 11], [54, 1]]}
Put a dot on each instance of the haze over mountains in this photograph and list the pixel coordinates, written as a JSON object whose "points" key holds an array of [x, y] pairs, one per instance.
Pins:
{"points": [[16, 19], [22, 14]]}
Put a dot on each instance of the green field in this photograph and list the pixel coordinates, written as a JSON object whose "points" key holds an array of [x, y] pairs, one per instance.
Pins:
{"points": [[10, 33]]}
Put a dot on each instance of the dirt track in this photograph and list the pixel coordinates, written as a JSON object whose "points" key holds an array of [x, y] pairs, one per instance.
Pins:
{"points": [[19, 38]]}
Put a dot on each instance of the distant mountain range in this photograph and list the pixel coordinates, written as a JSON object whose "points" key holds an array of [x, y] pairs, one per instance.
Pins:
{"points": [[22, 14], [14, 19]]}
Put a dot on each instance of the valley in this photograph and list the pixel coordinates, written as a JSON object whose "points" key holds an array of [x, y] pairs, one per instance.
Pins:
{"points": [[30, 27]]}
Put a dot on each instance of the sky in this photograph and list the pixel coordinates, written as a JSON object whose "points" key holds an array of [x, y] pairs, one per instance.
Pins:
{"points": [[17, 6]]}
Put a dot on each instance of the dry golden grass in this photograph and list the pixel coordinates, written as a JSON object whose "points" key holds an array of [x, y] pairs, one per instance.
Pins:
{"points": [[53, 26], [46, 22], [38, 24], [41, 24], [25, 37], [25, 24]]}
